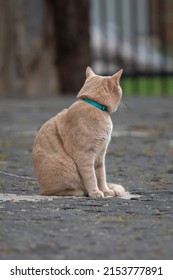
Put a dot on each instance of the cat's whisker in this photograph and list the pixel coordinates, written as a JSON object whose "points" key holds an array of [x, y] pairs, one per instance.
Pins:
{"points": [[122, 107]]}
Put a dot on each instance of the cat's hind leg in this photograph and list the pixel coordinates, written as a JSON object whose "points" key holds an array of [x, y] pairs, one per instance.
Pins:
{"points": [[66, 192], [72, 192]]}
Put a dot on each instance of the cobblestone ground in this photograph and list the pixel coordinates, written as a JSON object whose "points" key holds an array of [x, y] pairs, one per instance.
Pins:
{"points": [[140, 156]]}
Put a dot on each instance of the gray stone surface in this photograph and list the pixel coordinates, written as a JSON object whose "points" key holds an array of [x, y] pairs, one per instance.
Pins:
{"points": [[140, 156]]}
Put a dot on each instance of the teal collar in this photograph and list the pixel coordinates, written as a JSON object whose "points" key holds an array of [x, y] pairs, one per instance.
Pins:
{"points": [[96, 104]]}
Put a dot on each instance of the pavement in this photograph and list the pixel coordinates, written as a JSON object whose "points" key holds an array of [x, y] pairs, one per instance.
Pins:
{"points": [[140, 157]]}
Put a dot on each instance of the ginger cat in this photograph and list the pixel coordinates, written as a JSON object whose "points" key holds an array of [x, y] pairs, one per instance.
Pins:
{"points": [[69, 150]]}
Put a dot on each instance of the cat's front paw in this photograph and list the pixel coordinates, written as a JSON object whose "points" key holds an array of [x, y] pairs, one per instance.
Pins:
{"points": [[118, 189], [109, 193], [96, 194]]}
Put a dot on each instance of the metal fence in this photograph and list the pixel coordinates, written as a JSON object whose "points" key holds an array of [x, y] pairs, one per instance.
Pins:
{"points": [[136, 35]]}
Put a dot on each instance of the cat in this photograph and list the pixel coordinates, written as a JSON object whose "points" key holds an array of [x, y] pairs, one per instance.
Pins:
{"points": [[69, 149]]}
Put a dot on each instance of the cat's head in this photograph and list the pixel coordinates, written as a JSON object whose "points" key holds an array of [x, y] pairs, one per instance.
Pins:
{"points": [[103, 89]]}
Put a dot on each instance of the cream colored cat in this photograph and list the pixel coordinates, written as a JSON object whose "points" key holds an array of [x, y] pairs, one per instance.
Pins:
{"points": [[69, 150]]}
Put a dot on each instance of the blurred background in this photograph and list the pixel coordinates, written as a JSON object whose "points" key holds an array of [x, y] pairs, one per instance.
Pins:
{"points": [[46, 45]]}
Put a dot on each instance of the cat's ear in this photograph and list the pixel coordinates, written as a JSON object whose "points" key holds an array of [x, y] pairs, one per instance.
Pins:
{"points": [[117, 75], [89, 72]]}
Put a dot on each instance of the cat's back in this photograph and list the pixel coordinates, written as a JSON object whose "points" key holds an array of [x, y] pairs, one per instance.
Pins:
{"points": [[48, 137]]}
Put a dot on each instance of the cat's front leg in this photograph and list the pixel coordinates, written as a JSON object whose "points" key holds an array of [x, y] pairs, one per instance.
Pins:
{"points": [[101, 176], [85, 164]]}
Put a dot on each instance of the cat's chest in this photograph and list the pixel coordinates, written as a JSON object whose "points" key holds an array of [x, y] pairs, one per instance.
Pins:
{"points": [[102, 134], [105, 129]]}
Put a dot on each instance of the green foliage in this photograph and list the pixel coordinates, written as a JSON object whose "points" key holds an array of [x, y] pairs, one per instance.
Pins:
{"points": [[148, 86]]}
